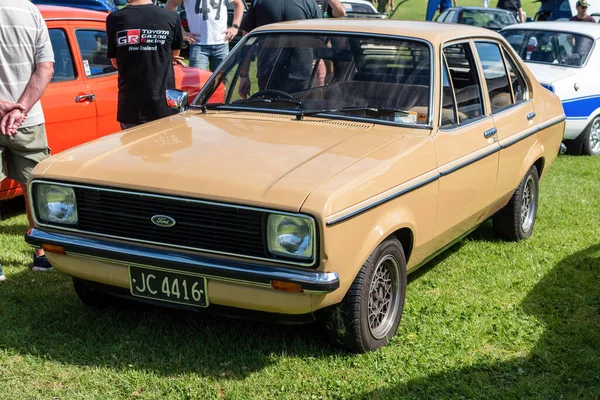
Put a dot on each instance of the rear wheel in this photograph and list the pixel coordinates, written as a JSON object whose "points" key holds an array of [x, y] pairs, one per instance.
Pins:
{"points": [[369, 315], [591, 139], [516, 220], [91, 297]]}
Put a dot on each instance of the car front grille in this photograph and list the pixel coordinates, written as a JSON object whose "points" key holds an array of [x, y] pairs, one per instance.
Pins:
{"points": [[199, 225]]}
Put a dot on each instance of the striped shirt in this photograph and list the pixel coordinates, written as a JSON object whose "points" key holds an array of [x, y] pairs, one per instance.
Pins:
{"points": [[24, 42]]}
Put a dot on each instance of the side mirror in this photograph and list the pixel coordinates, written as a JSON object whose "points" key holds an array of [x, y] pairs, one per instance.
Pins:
{"points": [[177, 99]]}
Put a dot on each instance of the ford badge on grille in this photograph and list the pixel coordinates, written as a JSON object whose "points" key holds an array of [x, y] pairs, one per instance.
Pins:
{"points": [[164, 221]]}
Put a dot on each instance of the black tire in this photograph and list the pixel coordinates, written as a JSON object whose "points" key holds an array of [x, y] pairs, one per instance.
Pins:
{"points": [[91, 297], [591, 138], [516, 220], [350, 324]]}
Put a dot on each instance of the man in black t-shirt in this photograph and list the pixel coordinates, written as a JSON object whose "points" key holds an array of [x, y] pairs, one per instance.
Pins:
{"points": [[514, 6], [143, 43], [263, 12]]}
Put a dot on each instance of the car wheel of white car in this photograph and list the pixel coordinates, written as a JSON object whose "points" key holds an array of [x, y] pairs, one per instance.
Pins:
{"points": [[369, 315], [591, 140], [516, 220], [91, 297]]}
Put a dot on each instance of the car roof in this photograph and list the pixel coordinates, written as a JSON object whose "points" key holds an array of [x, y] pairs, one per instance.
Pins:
{"points": [[572, 27], [433, 32], [64, 13], [474, 8]]}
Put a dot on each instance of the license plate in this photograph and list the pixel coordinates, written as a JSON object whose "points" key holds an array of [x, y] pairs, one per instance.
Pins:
{"points": [[170, 286]]}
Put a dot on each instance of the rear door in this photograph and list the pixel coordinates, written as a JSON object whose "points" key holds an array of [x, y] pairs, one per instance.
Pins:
{"points": [[98, 72], [69, 109], [513, 113]]}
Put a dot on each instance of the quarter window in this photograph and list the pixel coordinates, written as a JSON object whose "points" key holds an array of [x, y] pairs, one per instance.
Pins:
{"points": [[448, 117], [92, 45], [519, 87], [63, 59], [465, 82], [495, 75]]}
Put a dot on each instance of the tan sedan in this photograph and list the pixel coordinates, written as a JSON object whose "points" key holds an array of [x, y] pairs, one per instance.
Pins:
{"points": [[346, 154]]}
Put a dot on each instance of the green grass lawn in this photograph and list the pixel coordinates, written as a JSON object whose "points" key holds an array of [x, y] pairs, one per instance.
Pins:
{"points": [[486, 319]]}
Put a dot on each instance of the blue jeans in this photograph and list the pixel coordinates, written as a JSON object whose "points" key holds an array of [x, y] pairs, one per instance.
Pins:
{"points": [[201, 55]]}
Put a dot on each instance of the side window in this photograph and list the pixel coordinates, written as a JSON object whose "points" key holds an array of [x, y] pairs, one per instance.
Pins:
{"points": [[63, 59], [495, 75], [448, 116], [519, 87], [92, 45], [450, 17], [465, 81], [442, 16]]}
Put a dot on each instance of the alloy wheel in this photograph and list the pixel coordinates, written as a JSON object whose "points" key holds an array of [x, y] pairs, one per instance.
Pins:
{"points": [[384, 296]]}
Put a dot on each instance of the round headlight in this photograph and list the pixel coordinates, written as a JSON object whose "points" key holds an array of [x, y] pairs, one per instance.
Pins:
{"points": [[291, 236]]}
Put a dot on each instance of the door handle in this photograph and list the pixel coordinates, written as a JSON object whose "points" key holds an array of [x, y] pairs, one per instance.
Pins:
{"points": [[490, 132], [85, 97], [530, 116]]}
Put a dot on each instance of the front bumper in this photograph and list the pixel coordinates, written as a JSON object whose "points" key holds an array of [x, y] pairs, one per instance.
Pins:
{"points": [[215, 269]]}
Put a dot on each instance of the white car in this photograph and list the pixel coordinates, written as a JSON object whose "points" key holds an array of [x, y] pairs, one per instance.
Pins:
{"points": [[361, 9], [565, 58]]}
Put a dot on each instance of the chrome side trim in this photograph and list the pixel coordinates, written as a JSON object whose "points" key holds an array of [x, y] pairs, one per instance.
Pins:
{"points": [[532, 131], [312, 262], [379, 202], [222, 270], [496, 148]]}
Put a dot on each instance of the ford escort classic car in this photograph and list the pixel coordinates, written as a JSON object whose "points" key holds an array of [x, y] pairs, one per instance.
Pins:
{"points": [[307, 196], [565, 59]]}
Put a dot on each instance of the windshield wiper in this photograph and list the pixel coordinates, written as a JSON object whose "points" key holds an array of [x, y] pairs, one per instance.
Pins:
{"points": [[376, 110], [268, 100]]}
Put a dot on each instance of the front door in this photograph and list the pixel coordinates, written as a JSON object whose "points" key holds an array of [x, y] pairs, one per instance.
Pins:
{"points": [[68, 106], [98, 72], [465, 145]]}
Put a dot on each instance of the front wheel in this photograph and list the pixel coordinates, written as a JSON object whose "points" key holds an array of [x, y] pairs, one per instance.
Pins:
{"points": [[591, 139], [369, 315], [516, 220]]}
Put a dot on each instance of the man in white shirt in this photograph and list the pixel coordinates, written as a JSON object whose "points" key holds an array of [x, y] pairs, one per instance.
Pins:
{"points": [[26, 67], [209, 34]]}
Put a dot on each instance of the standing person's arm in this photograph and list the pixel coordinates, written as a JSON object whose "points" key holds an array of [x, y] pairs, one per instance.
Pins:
{"points": [[238, 13], [172, 6], [177, 43], [44, 69], [337, 9], [111, 42], [249, 21], [521, 15]]}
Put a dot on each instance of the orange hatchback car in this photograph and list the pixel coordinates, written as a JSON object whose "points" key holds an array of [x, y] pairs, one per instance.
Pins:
{"points": [[80, 103]]}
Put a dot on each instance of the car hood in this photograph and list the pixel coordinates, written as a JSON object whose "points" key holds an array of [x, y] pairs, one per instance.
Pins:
{"points": [[547, 74], [247, 158]]}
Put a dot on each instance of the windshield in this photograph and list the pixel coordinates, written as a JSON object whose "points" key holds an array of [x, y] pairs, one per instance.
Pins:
{"points": [[548, 47], [487, 19], [385, 79]]}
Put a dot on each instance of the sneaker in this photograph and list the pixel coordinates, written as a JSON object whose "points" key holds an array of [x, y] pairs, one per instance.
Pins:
{"points": [[41, 263], [2, 277]]}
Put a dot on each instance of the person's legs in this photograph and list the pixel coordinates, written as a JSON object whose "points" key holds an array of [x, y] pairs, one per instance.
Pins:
{"points": [[199, 56], [218, 53], [23, 152]]}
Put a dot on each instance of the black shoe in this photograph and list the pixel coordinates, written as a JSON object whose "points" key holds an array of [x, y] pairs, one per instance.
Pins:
{"points": [[41, 263]]}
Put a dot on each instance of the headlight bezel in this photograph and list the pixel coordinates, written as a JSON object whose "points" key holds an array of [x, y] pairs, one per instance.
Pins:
{"points": [[38, 214], [278, 254]]}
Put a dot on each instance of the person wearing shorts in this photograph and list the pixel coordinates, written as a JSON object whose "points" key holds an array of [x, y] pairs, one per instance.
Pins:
{"points": [[26, 67]]}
